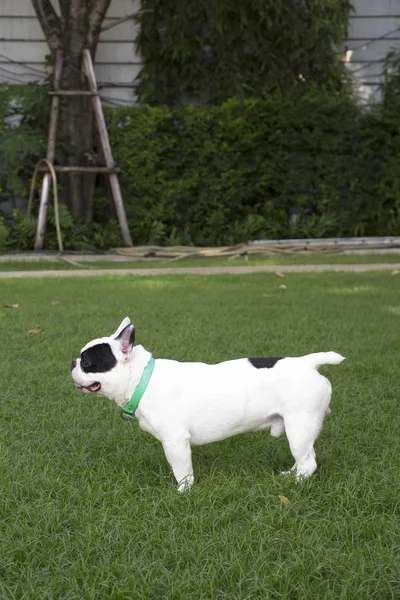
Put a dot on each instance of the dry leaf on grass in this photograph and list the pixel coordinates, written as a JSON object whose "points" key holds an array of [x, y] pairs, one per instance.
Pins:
{"points": [[284, 499], [11, 305], [36, 329], [266, 296], [282, 286], [279, 274], [54, 302], [395, 272]]}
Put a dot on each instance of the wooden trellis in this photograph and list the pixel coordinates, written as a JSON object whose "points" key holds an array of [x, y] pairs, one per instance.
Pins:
{"points": [[109, 169]]}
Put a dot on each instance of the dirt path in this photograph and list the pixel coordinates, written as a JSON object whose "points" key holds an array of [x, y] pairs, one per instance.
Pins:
{"points": [[203, 270]]}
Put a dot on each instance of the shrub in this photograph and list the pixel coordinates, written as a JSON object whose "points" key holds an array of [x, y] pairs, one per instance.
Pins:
{"points": [[315, 165], [3, 234], [23, 116], [20, 235], [287, 166], [23, 124]]}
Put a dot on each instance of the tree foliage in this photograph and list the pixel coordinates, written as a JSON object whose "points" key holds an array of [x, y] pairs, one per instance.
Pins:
{"points": [[211, 51]]}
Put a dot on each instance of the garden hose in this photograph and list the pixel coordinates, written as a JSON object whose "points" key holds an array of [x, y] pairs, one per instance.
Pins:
{"points": [[175, 253], [56, 211], [260, 249], [55, 196]]}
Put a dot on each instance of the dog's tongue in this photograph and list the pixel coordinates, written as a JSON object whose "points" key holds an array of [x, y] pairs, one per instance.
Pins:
{"points": [[94, 387]]}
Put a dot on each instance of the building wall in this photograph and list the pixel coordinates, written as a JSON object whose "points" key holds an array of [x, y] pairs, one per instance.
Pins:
{"points": [[374, 31], [23, 49]]}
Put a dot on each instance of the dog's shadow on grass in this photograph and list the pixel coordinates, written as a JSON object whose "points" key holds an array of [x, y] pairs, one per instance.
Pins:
{"points": [[250, 453], [254, 455], [140, 457]]}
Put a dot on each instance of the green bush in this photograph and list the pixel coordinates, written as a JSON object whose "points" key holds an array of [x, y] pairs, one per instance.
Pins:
{"points": [[23, 118], [311, 165], [3, 234], [23, 125], [20, 235], [315, 165]]}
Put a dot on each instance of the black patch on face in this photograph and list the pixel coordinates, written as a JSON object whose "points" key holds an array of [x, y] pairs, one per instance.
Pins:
{"points": [[98, 359], [266, 362]]}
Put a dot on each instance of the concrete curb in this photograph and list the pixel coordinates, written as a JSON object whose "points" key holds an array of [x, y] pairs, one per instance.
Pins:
{"points": [[203, 271]]}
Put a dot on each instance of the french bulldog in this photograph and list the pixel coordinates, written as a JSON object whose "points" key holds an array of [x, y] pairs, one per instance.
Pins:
{"points": [[185, 404]]}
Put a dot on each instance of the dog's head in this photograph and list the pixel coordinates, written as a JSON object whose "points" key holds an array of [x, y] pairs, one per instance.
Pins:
{"points": [[104, 365]]}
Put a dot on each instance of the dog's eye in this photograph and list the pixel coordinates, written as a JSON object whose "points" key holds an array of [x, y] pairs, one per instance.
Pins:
{"points": [[85, 363]]}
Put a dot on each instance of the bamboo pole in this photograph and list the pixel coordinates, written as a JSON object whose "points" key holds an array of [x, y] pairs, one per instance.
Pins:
{"points": [[51, 147], [75, 169], [73, 93]]}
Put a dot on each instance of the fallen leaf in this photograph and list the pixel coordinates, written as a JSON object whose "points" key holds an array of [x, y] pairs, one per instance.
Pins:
{"points": [[36, 329], [11, 305], [395, 272], [284, 499], [54, 302], [279, 274], [282, 286], [266, 296]]}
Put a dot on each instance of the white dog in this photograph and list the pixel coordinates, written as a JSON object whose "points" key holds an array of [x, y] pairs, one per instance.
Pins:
{"points": [[185, 404]]}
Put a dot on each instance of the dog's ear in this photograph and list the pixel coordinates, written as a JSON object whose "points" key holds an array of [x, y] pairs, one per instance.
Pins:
{"points": [[124, 324], [126, 340]]}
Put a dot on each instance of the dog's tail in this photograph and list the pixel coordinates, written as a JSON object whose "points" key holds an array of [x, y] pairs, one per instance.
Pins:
{"points": [[324, 358]]}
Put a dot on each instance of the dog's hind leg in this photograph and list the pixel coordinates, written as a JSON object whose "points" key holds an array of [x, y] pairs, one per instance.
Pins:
{"points": [[302, 431], [179, 455]]}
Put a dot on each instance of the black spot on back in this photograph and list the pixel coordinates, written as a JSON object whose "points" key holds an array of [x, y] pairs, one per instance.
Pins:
{"points": [[98, 359], [266, 362]]}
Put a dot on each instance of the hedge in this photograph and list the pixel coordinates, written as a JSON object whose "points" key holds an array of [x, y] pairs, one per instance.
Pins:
{"points": [[316, 165]]}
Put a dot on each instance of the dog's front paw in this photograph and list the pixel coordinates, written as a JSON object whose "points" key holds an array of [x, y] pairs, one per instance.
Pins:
{"points": [[295, 475], [286, 473], [186, 484], [291, 473]]}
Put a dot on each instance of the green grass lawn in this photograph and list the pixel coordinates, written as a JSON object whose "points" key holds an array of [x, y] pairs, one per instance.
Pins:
{"points": [[89, 507], [312, 258]]}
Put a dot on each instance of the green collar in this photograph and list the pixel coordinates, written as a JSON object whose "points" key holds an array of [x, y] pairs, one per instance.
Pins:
{"points": [[140, 389]]}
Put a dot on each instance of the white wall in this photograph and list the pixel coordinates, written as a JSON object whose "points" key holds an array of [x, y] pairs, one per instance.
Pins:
{"points": [[22, 41], [374, 31]]}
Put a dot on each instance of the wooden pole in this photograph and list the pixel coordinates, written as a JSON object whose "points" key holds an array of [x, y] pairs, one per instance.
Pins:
{"points": [[51, 147], [73, 93], [74, 169], [103, 134]]}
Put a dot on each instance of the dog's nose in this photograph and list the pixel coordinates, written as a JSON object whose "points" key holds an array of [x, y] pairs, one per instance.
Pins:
{"points": [[73, 365]]}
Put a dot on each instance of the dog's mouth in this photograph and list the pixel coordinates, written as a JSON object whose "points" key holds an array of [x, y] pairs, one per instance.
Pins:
{"points": [[94, 387]]}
